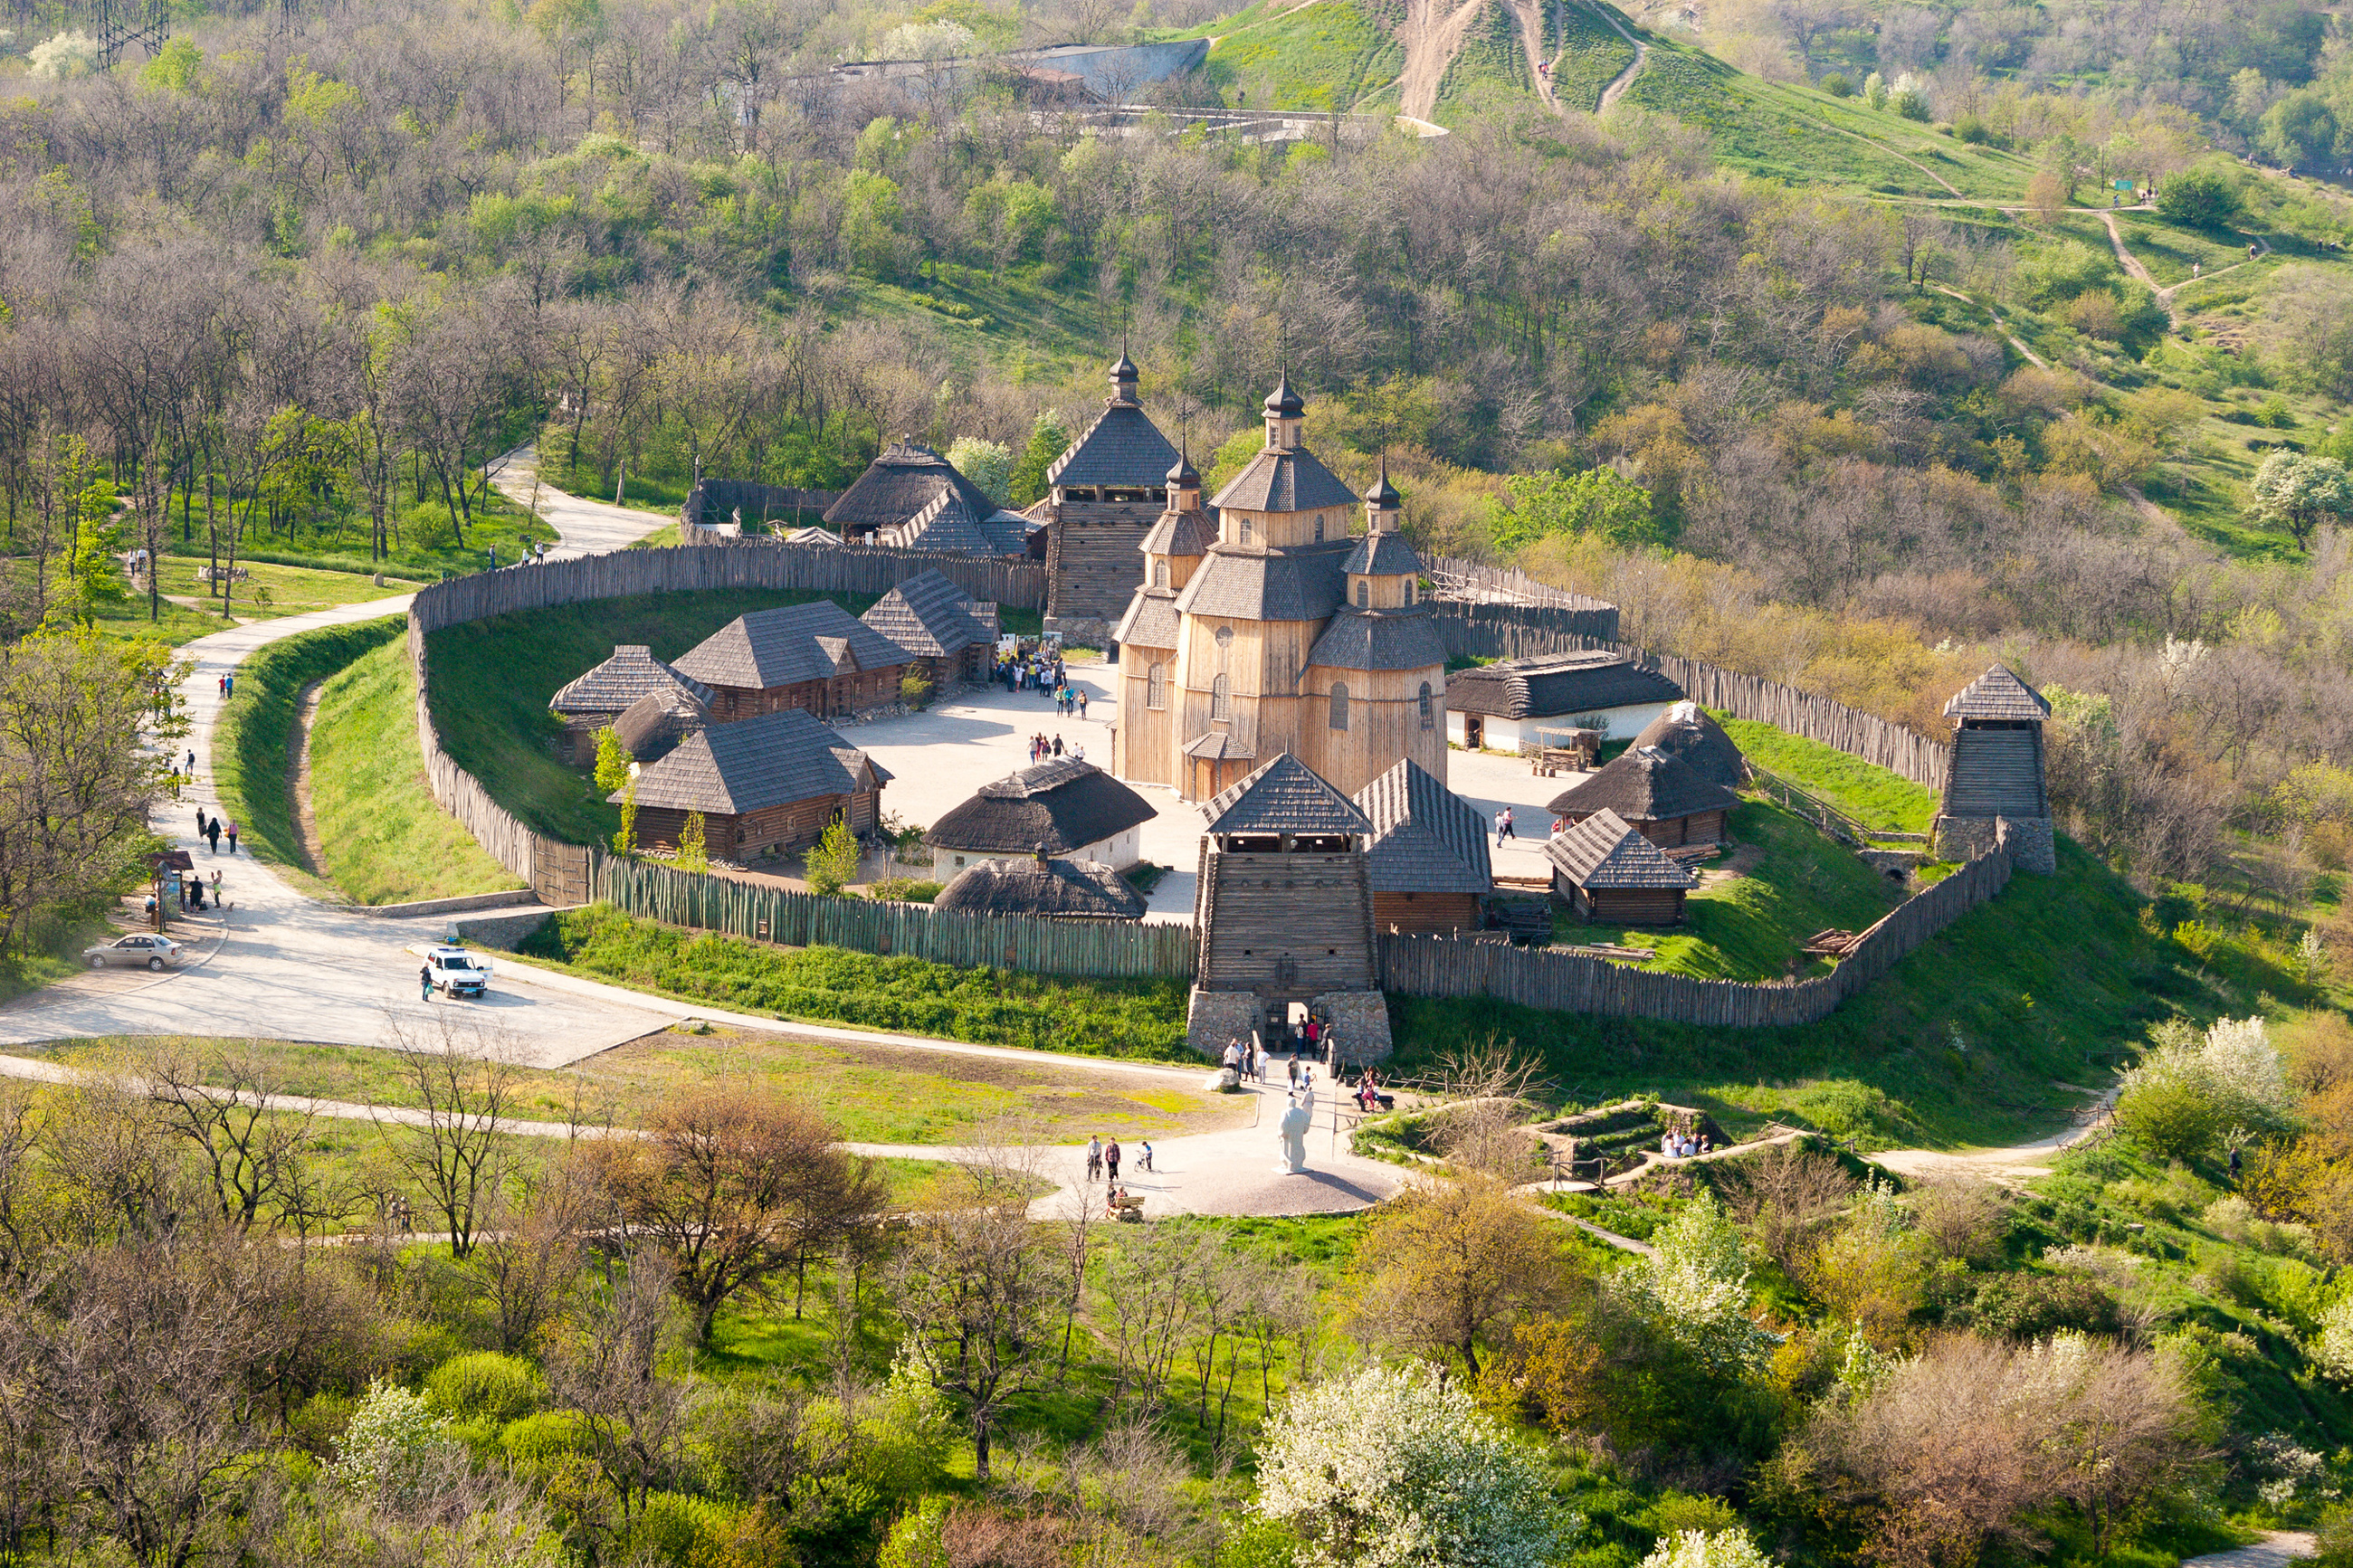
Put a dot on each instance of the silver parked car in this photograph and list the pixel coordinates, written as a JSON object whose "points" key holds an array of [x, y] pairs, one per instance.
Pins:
{"points": [[154, 951]]}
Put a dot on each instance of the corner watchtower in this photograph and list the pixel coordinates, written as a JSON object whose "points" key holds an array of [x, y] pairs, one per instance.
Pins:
{"points": [[1996, 774], [1285, 911]]}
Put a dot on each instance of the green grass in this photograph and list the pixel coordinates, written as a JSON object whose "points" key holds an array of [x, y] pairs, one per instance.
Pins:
{"points": [[1331, 54], [877, 1092], [384, 839], [249, 760], [492, 680], [1872, 795], [1751, 927], [1965, 1041], [910, 995], [1592, 54], [1490, 71]]}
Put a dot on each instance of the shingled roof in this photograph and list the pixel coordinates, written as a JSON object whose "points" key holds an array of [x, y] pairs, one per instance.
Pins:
{"points": [[1426, 838], [1180, 533], [929, 615], [1284, 795], [1288, 480], [907, 477], [1557, 684], [1682, 731], [1383, 554], [629, 674], [1999, 694], [1646, 784], [1605, 851], [1123, 448], [1064, 805], [1300, 584], [1151, 620], [1381, 640], [651, 728], [732, 769], [1059, 890], [788, 645]]}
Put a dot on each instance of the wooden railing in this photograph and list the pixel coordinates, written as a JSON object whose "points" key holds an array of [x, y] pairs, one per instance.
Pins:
{"points": [[1571, 983]]}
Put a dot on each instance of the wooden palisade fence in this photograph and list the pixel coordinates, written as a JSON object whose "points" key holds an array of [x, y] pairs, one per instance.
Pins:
{"points": [[1573, 983], [1101, 950], [1520, 631]]}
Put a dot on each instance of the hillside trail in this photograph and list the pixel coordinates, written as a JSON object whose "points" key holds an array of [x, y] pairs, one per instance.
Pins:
{"points": [[1529, 15], [2275, 1549], [1432, 36], [1624, 78], [2016, 1161], [2140, 273]]}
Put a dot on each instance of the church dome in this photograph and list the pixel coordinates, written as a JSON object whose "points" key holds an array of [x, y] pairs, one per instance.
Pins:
{"points": [[1283, 402]]}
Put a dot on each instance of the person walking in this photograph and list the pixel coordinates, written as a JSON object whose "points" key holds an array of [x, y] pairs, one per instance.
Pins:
{"points": [[1094, 1158], [1503, 825], [200, 822], [1057, 745], [1082, 702], [212, 833], [228, 684], [425, 981], [232, 836], [1111, 1162], [1291, 1065]]}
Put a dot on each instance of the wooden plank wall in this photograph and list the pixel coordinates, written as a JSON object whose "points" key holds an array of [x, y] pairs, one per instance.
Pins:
{"points": [[1573, 983], [718, 500], [728, 563], [1519, 631], [1508, 585], [1100, 950]]}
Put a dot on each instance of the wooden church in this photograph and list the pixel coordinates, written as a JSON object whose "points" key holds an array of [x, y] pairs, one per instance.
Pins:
{"points": [[1263, 628]]}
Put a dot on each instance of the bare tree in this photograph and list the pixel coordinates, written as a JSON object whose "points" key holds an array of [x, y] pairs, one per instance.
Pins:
{"points": [[1783, 1194], [452, 1149], [528, 1261], [224, 1103], [977, 1289], [613, 1372]]}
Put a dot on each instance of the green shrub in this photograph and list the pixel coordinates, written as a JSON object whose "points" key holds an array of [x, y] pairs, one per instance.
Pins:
{"points": [[2199, 198], [689, 1532], [1838, 86], [2036, 1306], [542, 1437], [915, 1540], [487, 1386]]}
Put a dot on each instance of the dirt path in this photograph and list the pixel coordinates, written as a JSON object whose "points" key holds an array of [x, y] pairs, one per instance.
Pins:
{"points": [[1432, 36], [1529, 15], [2019, 1161], [1894, 153], [298, 763], [1625, 78], [2133, 267], [2275, 1549], [2036, 359]]}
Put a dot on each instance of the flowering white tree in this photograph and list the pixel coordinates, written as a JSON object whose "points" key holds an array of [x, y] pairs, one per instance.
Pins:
{"points": [[2191, 1089], [1396, 1466], [63, 57], [396, 1449], [2332, 1350], [1706, 1549], [988, 463], [1695, 1283]]}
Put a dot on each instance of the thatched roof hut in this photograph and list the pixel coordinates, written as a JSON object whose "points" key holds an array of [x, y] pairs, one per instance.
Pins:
{"points": [[898, 485], [1662, 795], [1684, 731], [651, 728], [1505, 706], [601, 695], [1070, 808], [1039, 884]]}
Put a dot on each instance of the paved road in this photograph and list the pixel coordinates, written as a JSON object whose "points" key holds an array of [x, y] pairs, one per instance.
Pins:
{"points": [[587, 527]]}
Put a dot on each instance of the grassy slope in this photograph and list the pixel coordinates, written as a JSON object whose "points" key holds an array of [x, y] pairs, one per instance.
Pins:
{"points": [[1108, 1017], [384, 839], [249, 759], [1331, 55], [1965, 1041], [1592, 54], [1872, 796], [1490, 71], [492, 680]]}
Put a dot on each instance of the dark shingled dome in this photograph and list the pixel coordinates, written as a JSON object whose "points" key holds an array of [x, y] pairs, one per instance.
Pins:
{"points": [[1645, 785], [1034, 885], [1284, 401], [1682, 731], [651, 728]]}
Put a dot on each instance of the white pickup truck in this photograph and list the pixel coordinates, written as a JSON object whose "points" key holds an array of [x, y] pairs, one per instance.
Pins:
{"points": [[457, 972]]}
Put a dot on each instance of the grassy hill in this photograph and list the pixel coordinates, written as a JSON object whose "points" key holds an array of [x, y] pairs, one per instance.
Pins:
{"points": [[1326, 55], [1591, 54], [1491, 71]]}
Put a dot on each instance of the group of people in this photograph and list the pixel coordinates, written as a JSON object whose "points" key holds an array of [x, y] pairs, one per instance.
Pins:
{"points": [[210, 829], [1070, 701], [1367, 1093], [1031, 672], [1685, 1145], [194, 893], [1042, 749], [1102, 1161]]}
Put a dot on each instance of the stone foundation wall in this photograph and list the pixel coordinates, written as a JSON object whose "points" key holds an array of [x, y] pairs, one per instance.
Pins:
{"points": [[1082, 631], [1220, 1018], [2031, 844], [1361, 1021]]}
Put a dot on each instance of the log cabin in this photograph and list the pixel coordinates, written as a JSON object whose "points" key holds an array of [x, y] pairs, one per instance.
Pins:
{"points": [[1429, 855], [909, 481], [951, 635], [1609, 874], [816, 656], [1662, 795], [764, 785], [1283, 904]]}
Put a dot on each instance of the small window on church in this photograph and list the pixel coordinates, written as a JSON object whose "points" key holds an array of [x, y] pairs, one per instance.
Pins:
{"points": [[1225, 639], [1425, 702], [1318, 528], [1408, 590], [1218, 698], [1339, 705], [1364, 594], [1246, 531], [1160, 573], [1155, 690]]}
